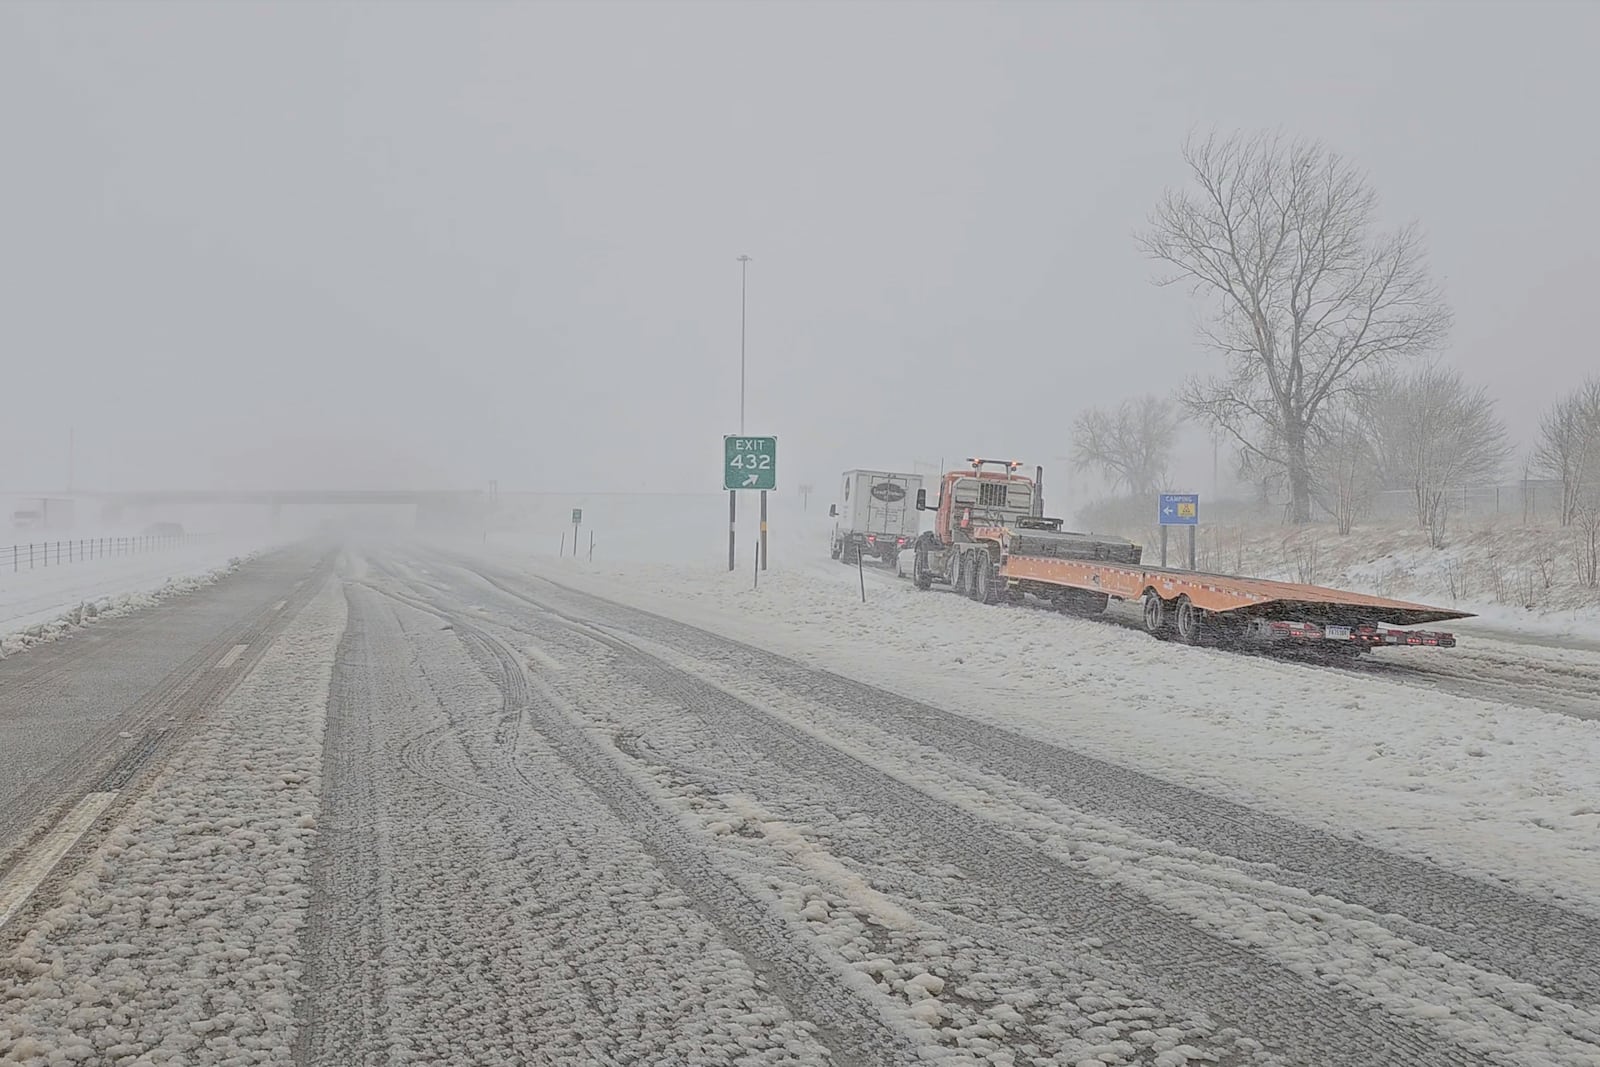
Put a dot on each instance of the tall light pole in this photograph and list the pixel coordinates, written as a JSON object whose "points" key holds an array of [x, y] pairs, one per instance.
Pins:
{"points": [[733, 494], [744, 268]]}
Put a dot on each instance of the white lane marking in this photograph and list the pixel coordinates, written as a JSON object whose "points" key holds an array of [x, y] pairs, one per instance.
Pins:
{"points": [[18, 884], [227, 661], [279, 605]]}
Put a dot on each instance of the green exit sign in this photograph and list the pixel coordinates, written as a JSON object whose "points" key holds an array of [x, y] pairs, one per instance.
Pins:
{"points": [[749, 462]]}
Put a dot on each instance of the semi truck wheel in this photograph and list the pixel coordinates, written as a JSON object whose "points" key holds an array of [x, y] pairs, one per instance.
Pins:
{"points": [[987, 585], [921, 576]]}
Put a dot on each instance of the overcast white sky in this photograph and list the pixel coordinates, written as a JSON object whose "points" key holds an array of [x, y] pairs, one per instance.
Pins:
{"points": [[406, 244]]}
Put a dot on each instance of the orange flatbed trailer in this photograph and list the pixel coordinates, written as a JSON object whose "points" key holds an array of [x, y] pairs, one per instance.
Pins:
{"points": [[1261, 608], [1224, 593], [991, 542]]}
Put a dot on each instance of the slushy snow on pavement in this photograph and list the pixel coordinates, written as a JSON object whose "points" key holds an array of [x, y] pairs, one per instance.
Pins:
{"points": [[179, 940], [1494, 789]]}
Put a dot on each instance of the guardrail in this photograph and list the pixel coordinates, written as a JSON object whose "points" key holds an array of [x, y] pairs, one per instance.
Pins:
{"points": [[38, 554]]}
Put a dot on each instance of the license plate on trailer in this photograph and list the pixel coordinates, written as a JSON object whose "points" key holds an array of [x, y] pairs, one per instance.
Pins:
{"points": [[1336, 633]]}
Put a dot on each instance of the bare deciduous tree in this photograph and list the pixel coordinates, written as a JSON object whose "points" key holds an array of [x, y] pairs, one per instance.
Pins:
{"points": [[1306, 298], [1587, 519], [1569, 447], [1432, 433], [1132, 446], [1344, 469]]}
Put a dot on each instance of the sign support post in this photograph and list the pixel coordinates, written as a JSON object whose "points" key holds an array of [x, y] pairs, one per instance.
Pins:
{"points": [[748, 463], [1178, 509], [763, 529]]}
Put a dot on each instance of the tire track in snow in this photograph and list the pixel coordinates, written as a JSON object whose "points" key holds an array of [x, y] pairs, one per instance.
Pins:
{"points": [[808, 985], [1542, 943], [1180, 963], [392, 844]]}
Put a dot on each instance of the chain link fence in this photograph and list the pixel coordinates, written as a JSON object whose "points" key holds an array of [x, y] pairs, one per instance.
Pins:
{"points": [[1536, 499]]}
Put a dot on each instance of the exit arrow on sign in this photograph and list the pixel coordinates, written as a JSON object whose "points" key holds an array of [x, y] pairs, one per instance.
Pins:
{"points": [[751, 479]]}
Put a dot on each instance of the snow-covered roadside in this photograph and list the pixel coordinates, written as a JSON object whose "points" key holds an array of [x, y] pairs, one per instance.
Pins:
{"points": [[42, 606], [1480, 786], [1516, 578], [179, 940]]}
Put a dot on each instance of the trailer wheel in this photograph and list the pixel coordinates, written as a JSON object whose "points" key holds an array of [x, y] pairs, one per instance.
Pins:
{"points": [[836, 548], [1155, 613], [921, 576], [1189, 621]]}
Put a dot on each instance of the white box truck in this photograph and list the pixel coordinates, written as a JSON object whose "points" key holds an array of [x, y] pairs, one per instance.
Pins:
{"points": [[876, 515]]}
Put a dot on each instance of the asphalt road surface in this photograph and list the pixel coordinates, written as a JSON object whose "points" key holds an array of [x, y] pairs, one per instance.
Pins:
{"points": [[553, 828]]}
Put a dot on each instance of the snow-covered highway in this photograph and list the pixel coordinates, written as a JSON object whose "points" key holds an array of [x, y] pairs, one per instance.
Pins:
{"points": [[436, 805]]}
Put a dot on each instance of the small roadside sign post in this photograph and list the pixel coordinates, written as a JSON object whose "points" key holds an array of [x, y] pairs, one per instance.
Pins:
{"points": [[749, 463], [1178, 509], [577, 520]]}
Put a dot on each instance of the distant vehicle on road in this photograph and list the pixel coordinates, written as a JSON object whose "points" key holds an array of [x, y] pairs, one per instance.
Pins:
{"points": [[877, 513], [164, 529]]}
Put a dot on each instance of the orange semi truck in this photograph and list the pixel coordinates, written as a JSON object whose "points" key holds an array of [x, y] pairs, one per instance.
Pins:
{"points": [[992, 542]]}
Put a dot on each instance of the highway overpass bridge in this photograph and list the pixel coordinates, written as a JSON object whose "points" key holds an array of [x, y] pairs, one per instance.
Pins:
{"points": [[424, 507]]}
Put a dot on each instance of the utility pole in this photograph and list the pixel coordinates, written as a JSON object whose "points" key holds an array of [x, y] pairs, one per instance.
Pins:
{"points": [[72, 456], [1216, 466]]}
